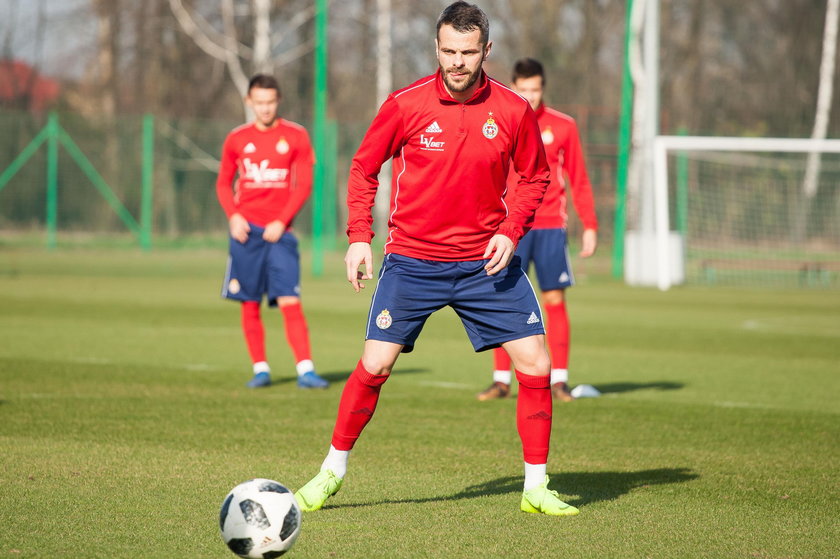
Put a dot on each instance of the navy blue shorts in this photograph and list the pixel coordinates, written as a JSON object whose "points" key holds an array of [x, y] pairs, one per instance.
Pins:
{"points": [[549, 251], [493, 309], [258, 268]]}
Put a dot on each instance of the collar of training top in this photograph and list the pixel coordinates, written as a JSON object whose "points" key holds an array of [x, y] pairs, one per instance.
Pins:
{"points": [[481, 92]]}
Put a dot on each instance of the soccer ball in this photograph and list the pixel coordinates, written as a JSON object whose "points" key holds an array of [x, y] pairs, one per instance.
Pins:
{"points": [[260, 519]]}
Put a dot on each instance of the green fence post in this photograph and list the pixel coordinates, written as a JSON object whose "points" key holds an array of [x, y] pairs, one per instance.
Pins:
{"points": [[146, 201], [321, 19], [623, 152], [52, 181]]}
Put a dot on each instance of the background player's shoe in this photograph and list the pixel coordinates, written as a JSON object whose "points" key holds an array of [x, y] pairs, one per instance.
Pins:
{"points": [[260, 380], [495, 390], [315, 493], [311, 380], [560, 391], [543, 500]]}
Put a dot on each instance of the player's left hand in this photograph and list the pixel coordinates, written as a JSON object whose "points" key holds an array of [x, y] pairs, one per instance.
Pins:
{"points": [[273, 231], [589, 243], [359, 254], [501, 248]]}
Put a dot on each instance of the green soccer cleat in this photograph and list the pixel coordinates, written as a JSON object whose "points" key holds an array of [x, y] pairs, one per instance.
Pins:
{"points": [[544, 500], [315, 493]]}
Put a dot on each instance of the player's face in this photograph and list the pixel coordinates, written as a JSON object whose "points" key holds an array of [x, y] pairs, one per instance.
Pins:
{"points": [[531, 89], [264, 104], [460, 56]]}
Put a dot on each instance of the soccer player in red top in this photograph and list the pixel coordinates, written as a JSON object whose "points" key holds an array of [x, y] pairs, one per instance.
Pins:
{"points": [[546, 244], [273, 159], [452, 232]]}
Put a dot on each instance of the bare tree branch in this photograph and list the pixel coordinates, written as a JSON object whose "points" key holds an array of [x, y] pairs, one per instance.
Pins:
{"points": [[196, 33], [262, 36], [294, 53], [824, 95], [234, 64], [212, 33], [300, 18]]}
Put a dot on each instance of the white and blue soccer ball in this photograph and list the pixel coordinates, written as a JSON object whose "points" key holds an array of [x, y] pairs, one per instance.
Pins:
{"points": [[260, 519]]}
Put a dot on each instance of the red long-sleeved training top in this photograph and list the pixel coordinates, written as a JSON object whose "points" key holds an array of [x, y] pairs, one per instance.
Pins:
{"points": [[275, 172], [451, 161], [565, 158]]}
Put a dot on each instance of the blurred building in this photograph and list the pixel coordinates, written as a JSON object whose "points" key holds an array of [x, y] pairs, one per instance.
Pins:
{"points": [[23, 87]]}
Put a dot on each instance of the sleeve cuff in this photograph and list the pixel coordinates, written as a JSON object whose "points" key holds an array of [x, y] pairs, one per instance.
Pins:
{"points": [[511, 232], [359, 237]]}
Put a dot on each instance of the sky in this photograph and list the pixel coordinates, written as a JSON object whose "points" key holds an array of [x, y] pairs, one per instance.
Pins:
{"points": [[57, 42]]}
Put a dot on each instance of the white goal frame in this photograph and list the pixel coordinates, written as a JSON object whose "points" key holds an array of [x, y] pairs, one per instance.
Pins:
{"points": [[662, 145]]}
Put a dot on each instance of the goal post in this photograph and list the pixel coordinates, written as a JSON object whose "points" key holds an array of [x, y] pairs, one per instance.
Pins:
{"points": [[663, 146]]}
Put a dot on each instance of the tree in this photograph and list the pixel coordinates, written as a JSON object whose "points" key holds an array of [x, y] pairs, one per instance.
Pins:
{"points": [[240, 59], [824, 96]]}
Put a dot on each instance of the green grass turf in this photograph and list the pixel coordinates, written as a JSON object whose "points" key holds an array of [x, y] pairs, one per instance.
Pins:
{"points": [[124, 421]]}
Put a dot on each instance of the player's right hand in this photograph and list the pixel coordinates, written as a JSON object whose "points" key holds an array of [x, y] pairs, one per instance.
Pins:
{"points": [[358, 254], [239, 228]]}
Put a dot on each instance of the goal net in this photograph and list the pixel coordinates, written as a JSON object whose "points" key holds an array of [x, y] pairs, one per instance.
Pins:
{"points": [[743, 213]]}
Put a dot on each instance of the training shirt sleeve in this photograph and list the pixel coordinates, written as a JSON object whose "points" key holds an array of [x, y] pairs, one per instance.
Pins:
{"points": [[530, 164], [383, 139], [224, 180], [301, 185], [579, 184]]}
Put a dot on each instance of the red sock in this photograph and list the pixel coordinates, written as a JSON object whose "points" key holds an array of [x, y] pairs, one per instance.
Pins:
{"points": [[533, 416], [358, 402], [297, 333], [557, 335], [501, 360], [252, 327]]}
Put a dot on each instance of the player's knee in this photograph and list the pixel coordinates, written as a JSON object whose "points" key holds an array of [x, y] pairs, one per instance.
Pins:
{"points": [[535, 362], [379, 357], [287, 300], [553, 297], [540, 365], [376, 365]]}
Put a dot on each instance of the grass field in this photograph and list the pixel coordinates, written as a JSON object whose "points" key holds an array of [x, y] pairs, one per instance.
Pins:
{"points": [[124, 421]]}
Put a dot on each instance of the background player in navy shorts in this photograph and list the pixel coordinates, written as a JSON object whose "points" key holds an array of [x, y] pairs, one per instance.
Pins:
{"points": [[273, 159], [452, 136], [546, 244]]}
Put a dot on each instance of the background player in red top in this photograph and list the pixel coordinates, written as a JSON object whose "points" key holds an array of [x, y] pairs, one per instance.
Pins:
{"points": [[273, 159], [453, 137], [546, 245]]}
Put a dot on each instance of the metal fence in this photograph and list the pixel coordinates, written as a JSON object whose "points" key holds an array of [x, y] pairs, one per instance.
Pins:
{"points": [[152, 180]]}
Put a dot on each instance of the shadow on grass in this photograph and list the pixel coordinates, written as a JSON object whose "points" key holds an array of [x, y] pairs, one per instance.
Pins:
{"points": [[340, 376], [589, 487], [617, 387]]}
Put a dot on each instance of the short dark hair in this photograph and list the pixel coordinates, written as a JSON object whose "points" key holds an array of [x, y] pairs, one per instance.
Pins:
{"points": [[465, 17], [264, 81], [527, 68]]}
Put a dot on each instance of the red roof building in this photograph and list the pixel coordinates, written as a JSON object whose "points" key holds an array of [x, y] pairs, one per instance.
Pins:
{"points": [[21, 86]]}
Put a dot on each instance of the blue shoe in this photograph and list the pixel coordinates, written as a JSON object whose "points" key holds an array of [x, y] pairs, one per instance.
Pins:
{"points": [[260, 380], [311, 380]]}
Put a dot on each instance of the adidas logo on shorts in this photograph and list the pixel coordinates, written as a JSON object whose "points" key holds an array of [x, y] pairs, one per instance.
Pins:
{"points": [[434, 128], [533, 319]]}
